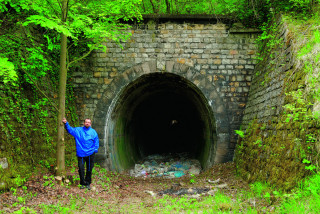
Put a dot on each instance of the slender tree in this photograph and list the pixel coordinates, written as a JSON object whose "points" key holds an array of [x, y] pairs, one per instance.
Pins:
{"points": [[168, 6], [62, 92]]}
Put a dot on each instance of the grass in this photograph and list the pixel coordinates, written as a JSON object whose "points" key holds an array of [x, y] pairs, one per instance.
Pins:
{"points": [[304, 199], [258, 197]]}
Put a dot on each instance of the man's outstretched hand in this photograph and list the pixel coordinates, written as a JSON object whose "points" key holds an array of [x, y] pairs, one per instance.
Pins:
{"points": [[64, 120]]}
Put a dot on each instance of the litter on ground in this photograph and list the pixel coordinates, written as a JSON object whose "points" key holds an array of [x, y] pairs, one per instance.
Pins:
{"points": [[167, 166]]}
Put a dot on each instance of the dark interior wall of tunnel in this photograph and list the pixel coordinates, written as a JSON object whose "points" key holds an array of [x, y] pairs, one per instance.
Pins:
{"points": [[161, 113]]}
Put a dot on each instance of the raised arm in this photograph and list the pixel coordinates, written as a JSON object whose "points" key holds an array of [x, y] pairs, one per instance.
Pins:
{"points": [[69, 129]]}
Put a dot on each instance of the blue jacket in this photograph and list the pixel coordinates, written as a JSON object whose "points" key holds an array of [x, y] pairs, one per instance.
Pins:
{"points": [[87, 140]]}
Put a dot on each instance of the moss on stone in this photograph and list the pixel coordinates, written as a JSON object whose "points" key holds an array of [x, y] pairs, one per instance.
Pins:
{"points": [[290, 138]]}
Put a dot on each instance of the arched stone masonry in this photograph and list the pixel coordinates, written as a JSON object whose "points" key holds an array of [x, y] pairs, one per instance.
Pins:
{"points": [[120, 112]]}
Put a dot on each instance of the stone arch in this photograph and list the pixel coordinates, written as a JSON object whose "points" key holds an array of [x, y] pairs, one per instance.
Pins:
{"points": [[111, 117]]}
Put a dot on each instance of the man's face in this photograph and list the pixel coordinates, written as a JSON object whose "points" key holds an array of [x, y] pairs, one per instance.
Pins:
{"points": [[87, 123]]}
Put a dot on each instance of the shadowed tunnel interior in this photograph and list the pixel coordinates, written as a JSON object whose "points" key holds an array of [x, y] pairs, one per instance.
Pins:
{"points": [[160, 113]]}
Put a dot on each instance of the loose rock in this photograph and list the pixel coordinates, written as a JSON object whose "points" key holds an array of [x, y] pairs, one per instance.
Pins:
{"points": [[3, 163]]}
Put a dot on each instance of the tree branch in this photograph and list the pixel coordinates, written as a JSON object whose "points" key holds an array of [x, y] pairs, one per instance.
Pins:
{"points": [[82, 57], [54, 10]]}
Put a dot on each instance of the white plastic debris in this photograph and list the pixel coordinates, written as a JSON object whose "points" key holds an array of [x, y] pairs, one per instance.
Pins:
{"points": [[214, 182], [167, 165]]}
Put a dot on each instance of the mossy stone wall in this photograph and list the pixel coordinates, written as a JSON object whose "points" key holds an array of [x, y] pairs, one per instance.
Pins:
{"points": [[278, 143]]}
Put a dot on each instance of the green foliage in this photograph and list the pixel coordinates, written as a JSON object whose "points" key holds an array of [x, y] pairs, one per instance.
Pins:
{"points": [[89, 22], [297, 110], [251, 13], [29, 61], [260, 188], [304, 199], [49, 181], [192, 179], [240, 133], [7, 71]]}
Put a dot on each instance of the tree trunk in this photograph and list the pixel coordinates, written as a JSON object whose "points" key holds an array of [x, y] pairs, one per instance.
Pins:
{"points": [[168, 6], [62, 95], [153, 7]]}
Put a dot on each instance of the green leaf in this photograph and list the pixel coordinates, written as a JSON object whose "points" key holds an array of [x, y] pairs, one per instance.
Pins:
{"points": [[7, 71], [50, 23]]}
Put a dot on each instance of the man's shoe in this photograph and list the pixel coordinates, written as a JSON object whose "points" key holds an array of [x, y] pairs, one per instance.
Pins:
{"points": [[82, 186], [88, 187]]}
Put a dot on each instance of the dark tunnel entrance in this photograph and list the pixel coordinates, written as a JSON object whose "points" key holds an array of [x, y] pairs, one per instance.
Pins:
{"points": [[160, 113], [166, 122]]}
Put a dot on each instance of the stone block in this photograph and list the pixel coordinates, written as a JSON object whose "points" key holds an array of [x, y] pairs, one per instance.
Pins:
{"points": [[169, 26], [226, 61], [233, 52], [202, 61], [169, 66], [194, 46], [240, 78], [249, 67], [205, 56], [196, 40], [168, 45], [234, 61], [4, 163], [97, 74], [217, 61]]}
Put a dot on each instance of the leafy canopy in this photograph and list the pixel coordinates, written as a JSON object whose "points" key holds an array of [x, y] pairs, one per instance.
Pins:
{"points": [[89, 23]]}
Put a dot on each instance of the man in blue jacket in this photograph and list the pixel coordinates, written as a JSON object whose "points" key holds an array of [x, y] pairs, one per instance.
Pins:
{"points": [[87, 144]]}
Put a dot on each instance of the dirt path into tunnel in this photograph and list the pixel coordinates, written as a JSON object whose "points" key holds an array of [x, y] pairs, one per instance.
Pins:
{"points": [[119, 193]]}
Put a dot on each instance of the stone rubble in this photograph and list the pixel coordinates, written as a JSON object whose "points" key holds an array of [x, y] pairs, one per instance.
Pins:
{"points": [[166, 166]]}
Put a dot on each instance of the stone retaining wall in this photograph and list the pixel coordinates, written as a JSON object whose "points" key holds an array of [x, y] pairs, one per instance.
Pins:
{"points": [[280, 140], [266, 96]]}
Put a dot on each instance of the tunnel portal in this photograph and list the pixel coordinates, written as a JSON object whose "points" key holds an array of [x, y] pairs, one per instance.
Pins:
{"points": [[159, 113]]}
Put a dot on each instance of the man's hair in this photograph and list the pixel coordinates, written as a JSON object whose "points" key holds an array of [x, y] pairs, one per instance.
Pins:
{"points": [[87, 119]]}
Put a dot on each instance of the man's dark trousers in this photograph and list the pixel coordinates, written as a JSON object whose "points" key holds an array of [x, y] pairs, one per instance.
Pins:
{"points": [[85, 179]]}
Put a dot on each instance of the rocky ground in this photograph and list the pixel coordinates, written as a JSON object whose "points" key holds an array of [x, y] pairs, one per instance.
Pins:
{"points": [[113, 192]]}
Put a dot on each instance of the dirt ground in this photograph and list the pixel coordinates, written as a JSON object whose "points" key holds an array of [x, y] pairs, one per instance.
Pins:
{"points": [[116, 190]]}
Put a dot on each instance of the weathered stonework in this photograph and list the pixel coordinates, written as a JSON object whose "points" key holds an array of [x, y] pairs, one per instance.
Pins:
{"points": [[266, 96], [218, 60], [278, 141]]}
